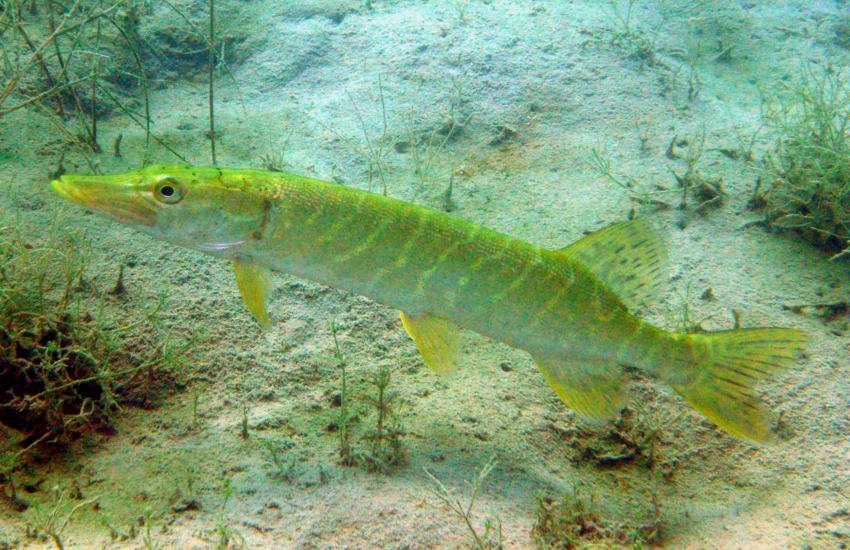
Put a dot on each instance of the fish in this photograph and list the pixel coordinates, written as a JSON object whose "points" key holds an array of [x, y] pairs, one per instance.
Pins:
{"points": [[573, 309]]}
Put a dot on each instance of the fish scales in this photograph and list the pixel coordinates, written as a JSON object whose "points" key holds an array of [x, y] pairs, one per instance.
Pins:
{"points": [[499, 286]]}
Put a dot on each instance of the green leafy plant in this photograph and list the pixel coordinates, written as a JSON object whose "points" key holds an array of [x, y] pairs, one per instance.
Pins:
{"points": [[344, 415], [807, 185], [384, 441], [228, 537]]}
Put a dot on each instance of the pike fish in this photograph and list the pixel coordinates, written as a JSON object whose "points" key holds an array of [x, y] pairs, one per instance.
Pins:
{"points": [[571, 309]]}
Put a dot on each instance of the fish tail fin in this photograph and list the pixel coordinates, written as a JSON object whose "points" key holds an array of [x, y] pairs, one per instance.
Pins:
{"points": [[717, 374]]}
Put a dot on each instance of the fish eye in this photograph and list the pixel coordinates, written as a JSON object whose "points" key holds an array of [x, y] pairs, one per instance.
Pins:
{"points": [[168, 190]]}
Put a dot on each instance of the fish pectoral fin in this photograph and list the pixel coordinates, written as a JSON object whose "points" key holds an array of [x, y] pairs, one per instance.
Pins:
{"points": [[596, 391], [254, 284], [435, 337], [630, 257]]}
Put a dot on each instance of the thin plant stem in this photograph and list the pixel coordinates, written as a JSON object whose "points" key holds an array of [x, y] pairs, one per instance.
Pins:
{"points": [[143, 79], [144, 124], [211, 79], [221, 61]]}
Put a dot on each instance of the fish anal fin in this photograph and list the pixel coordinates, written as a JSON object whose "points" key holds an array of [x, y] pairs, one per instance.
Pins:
{"points": [[435, 337], [594, 390], [254, 284], [629, 257]]}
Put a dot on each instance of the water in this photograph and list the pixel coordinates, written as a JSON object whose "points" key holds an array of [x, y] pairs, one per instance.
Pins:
{"points": [[541, 120]]}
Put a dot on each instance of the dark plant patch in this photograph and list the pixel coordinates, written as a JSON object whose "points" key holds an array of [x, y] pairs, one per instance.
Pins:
{"points": [[65, 371]]}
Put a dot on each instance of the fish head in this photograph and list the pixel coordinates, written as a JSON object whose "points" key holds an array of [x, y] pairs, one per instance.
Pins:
{"points": [[196, 207]]}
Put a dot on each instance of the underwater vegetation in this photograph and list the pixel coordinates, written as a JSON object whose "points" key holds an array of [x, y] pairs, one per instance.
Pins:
{"points": [[65, 367], [73, 63], [806, 188], [380, 448]]}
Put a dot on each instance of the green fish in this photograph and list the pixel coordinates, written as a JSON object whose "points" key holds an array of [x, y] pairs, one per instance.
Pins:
{"points": [[570, 308]]}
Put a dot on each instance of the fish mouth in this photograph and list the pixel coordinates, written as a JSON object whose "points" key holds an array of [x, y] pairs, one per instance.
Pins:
{"points": [[113, 196]]}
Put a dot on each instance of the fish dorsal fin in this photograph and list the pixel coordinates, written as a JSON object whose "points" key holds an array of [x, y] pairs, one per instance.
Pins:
{"points": [[436, 338], [594, 390], [254, 284], [630, 257]]}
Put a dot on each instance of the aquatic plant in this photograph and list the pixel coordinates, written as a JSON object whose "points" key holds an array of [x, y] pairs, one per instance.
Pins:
{"points": [[574, 521], [492, 536], [65, 371], [637, 42], [384, 441], [148, 541], [344, 416], [274, 160], [211, 77], [70, 63], [426, 148], [47, 60], [708, 191], [427, 151], [637, 193], [717, 30], [74, 64], [806, 185], [566, 522], [376, 149], [50, 523], [227, 536], [284, 465], [244, 425], [186, 493]]}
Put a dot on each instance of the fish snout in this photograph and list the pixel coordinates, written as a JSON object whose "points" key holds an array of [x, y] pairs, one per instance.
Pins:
{"points": [[65, 188], [103, 194]]}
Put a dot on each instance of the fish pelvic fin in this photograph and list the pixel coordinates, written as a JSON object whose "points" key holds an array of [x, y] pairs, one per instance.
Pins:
{"points": [[717, 374], [595, 390], [629, 257], [254, 284], [436, 338]]}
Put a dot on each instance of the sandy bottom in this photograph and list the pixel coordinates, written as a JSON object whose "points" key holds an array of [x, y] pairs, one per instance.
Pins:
{"points": [[532, 88]]}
